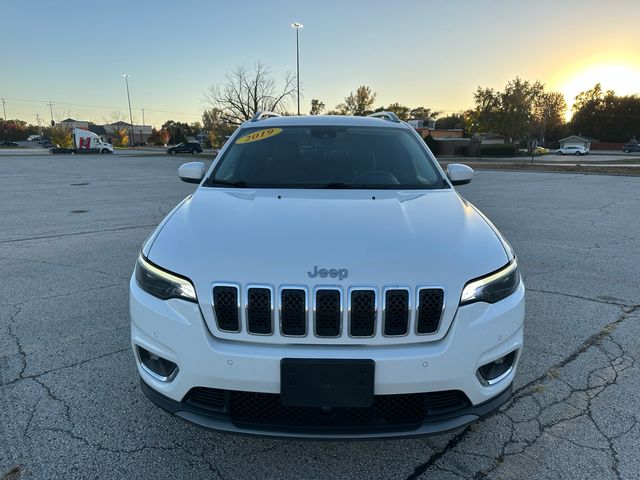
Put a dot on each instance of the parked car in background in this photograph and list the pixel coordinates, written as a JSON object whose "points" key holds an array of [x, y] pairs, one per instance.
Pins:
{"points": [[572, 150], [541, 150], [33, 138], [185, 147], [631, 147], [8, 143]]}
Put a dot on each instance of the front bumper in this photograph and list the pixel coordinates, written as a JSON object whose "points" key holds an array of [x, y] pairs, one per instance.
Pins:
{"points": [[224, 423], [175, 330]]}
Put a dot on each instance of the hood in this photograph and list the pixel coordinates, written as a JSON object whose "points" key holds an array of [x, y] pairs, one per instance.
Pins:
{"points": [[373, 238]]}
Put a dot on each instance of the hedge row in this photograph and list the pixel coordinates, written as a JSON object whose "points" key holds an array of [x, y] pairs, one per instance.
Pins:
{"points": [[498, 150]]}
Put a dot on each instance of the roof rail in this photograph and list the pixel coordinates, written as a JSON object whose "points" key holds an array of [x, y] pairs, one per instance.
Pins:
{"points": [[265, 114], [386, 116]]}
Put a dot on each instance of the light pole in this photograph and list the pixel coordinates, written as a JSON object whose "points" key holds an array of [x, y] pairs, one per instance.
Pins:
{"points": [[4, 110], [298, 26], [126, 81]]}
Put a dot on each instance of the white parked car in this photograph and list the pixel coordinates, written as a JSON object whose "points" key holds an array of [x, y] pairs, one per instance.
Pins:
{"points": [[572, 150], [326, 280]]}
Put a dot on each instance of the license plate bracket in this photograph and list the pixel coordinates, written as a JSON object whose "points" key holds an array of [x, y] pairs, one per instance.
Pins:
{"points": [[312, 382]]}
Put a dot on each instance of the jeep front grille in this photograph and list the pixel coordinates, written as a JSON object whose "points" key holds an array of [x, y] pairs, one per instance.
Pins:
{"points": [[328, 312], [430, 301], [362, 321], [396, 312], [293, 312], [226, 306], [259, 311]]}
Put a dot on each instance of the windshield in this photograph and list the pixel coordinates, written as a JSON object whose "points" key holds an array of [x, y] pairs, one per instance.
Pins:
{"points": [[326, 157]]}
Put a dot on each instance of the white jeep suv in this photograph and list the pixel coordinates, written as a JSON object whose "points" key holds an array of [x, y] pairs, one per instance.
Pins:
{"points": [[326, 280]]}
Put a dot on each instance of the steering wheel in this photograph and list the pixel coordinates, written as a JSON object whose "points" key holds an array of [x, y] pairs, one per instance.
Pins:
{"points": [[376, 177]]}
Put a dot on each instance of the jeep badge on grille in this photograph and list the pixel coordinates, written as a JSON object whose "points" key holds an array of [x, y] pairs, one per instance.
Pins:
{"points": [[339, 273]]}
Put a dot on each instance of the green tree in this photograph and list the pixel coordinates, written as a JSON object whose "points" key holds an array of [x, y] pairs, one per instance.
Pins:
{"points": [[548, 111], [486, 115], [13, 130], [61, 136], [455, 120], [317, 107], [180, 131], [216, 126], [159, 137], [517, 102], [120, 135], [605, 115], [358, 103], [514, 112], [423, 113], [402, 111]]}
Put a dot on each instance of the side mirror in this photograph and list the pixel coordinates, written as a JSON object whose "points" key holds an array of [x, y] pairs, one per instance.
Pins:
{"points": [[459, 174], [192, 172]]}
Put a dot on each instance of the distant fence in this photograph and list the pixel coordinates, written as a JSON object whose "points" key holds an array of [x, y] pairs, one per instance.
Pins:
{"points": [[606, 146]]}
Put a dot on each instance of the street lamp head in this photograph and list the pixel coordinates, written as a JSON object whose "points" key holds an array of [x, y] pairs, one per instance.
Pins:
{"points": [[297, 25], [126, 75]]}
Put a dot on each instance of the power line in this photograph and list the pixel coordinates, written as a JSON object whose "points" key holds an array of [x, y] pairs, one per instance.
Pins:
{"points": [[110, 107]]}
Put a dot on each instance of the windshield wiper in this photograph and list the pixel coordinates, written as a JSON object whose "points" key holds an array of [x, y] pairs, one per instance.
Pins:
{"points": [[228, 183], [333, 185]]}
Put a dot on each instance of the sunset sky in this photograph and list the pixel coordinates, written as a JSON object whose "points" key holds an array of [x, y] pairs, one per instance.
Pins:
{"points": [[418, 53]]}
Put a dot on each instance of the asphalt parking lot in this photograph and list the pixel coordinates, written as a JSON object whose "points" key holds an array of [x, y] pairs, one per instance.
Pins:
{"points": [[71, 406]]}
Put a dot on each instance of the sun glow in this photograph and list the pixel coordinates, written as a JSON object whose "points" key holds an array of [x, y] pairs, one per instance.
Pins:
{"points": [[621, 77]]}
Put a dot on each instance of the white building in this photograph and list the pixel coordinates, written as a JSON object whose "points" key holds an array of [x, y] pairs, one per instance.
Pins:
{"points": [[575, 141]]}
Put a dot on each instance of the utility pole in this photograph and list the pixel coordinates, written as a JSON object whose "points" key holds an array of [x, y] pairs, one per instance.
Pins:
{"points": [[143, 123], [126, 80], [38, 119], [4, 109], [51, 110], [297, 26]]}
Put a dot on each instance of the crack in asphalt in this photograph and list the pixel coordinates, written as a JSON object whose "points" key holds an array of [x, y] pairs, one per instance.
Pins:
{"points": [[83, 268], [580, 297], [62, 295], [14, 336], [36, 376], [598, 381], [85, 232]]}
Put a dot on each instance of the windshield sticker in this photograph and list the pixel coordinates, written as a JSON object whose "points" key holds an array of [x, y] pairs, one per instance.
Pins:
{"points": [[259, 135]]}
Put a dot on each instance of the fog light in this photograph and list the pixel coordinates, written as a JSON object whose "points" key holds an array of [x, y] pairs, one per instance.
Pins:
{"points": [[156, 366], [491, 373]]}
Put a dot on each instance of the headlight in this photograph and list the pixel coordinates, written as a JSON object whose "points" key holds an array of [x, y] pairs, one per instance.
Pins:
{"points": [[161, 283], [493, 287]]}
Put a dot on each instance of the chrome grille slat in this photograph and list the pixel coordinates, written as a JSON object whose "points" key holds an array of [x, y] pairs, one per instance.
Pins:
{"points": [[393, 311]]}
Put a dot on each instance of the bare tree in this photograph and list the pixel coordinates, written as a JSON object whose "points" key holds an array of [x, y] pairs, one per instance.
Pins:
{"points": [[246, 92]]}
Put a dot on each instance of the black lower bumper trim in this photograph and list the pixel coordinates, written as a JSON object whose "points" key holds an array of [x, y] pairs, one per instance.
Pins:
{"points": [[222, 422]]}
